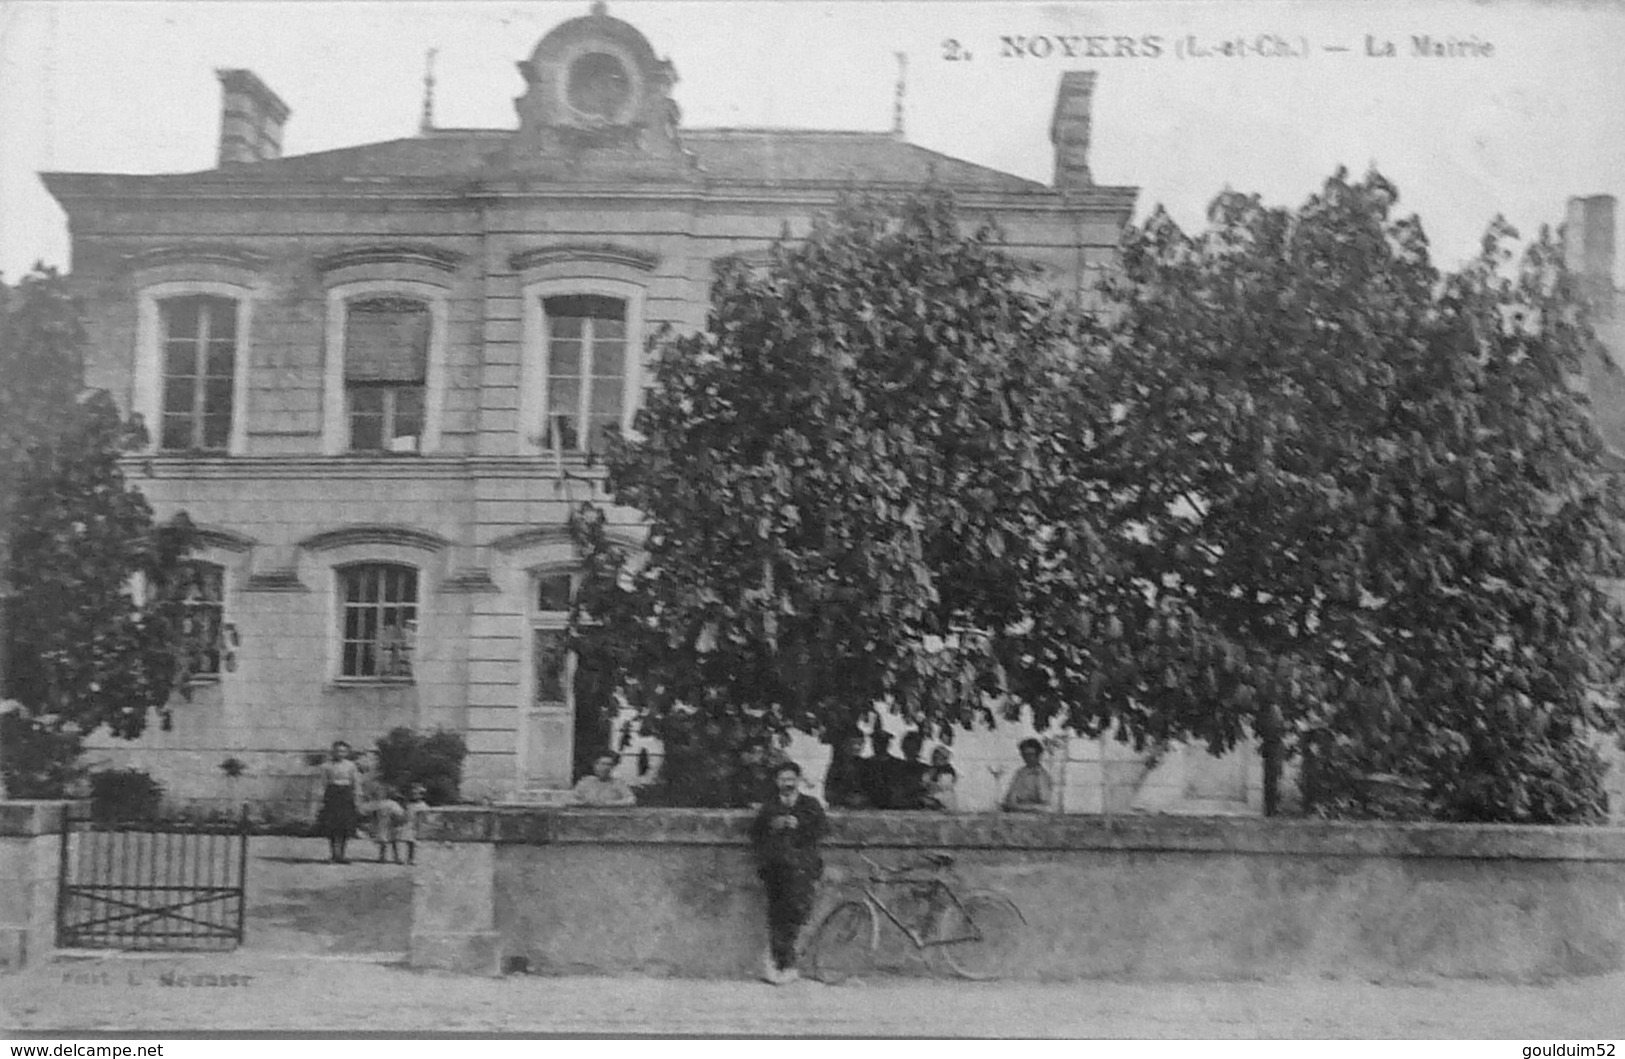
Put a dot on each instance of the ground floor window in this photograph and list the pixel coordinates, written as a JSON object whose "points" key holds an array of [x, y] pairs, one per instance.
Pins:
{"points": [[379, 622]]}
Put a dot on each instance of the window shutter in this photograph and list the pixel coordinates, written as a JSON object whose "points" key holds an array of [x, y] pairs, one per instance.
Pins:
{"points": [[386, 340]]}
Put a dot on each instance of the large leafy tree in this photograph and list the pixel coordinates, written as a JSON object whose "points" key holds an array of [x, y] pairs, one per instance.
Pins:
{"points": [[1373, 485], [843, 477], [94, 635]]}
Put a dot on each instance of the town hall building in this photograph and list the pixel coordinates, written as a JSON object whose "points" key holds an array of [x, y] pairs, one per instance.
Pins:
{"points": [[375, 378]]}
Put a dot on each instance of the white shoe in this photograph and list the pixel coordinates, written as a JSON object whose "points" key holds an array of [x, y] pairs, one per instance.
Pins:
{"points": [[788, 975], [770, 973]]}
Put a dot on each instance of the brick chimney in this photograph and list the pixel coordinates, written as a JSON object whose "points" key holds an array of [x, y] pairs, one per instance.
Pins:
{"points": [[1588, 247], [1069, 130], [251, 117]]}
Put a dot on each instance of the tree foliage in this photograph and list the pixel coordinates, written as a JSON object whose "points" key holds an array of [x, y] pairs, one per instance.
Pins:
{"points": [[94, 636], [1293, 485], [841, 476], [1375, 485]]}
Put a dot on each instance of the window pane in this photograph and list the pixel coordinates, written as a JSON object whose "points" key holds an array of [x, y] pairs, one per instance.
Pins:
{"points": [[367, 432], [607, 328], [560, 326], [217, 397], [408, 418], [553, 592], [548, 648], [603, 428], [564, 431], [216, 431], [564, 395], [606, 397], [177, 432], [220, 359], [609, 358], [180, 358], [180, 317], [564, 357], [178, 394], [352, 655], [221, 316], [366, 400]]}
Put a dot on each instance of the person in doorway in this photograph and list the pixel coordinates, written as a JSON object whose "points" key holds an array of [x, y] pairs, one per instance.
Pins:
{"points": [[1031, 790], [941, 783], [408, 832], [785, 837], [341, 793], [602, 789]]}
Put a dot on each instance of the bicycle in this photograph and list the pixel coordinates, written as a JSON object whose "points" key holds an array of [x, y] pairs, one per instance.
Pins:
{"points": [[979, 935]]}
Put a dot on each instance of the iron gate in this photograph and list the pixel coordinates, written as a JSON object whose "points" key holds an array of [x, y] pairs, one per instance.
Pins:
{"points": [[154, 886]]}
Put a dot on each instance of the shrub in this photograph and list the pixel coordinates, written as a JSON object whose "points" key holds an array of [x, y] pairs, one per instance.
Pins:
{"points": [[434, 759], [123, 795]]}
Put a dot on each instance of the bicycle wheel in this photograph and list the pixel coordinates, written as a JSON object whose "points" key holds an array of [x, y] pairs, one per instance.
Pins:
{"points": [[843, 944], [988, 933]]}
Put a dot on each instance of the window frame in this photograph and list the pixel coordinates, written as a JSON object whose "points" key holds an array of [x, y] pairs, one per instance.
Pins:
{"points": [[147, 384], [554, 621], [342, 606], [335, 391], [534, 431], [223, 625]]}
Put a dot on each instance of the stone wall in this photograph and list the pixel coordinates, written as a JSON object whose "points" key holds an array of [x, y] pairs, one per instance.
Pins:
{"points": [[673, 892], [30, 853]]}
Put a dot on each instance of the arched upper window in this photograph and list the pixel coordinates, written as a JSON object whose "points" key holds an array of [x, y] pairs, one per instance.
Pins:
{"points": [[386, 369], [191, 374], [385, 377], [199, 370], [581, 373], [586, 392]]}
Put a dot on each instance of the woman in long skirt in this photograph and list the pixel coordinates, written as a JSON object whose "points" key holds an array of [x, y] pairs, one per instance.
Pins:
{"points": [[340, 812]]}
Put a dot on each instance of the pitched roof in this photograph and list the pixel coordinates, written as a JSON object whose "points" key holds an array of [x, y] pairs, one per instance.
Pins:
{"points": [[746, 156]]}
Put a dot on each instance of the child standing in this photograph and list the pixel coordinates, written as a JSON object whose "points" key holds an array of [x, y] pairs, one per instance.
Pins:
{"points": [[387, 817], [408, 831]]}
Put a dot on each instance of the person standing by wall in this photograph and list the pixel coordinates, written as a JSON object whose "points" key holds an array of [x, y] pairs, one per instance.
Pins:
{"points": [[941, 782], [602, 789], [341, 809], [785, 837], [1031, 789], [843, 783]]}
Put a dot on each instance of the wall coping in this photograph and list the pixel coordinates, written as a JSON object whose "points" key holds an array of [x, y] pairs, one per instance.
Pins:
{"points": [[23, 818], [1194, 834]]}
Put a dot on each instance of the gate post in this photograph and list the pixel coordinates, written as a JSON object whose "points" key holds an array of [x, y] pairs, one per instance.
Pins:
{"points": [[31, 859]]}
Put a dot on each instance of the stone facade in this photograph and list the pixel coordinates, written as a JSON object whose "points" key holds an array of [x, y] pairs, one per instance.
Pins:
{"points": [[224, 305]]}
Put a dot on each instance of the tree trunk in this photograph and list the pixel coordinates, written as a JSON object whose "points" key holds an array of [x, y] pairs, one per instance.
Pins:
{"points": [[1271, 746]]}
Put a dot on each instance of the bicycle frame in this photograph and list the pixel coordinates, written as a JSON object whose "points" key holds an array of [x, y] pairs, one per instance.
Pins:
{"points": [[937, 887]]}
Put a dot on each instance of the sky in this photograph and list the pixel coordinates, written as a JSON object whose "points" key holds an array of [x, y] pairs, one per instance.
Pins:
{"points": [[1514, 128]]}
